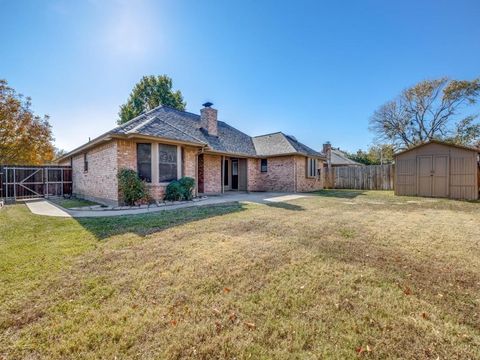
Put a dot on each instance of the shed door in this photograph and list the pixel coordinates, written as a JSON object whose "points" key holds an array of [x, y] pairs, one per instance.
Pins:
{"points": [[425, 175], [440, 176]]}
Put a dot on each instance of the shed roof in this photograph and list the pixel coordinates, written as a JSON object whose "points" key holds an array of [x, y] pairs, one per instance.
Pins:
{"points": [[470, 148]]}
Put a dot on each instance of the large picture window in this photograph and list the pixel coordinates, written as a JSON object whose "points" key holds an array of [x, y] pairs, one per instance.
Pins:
{"points": [[167, 162], [312, 167], [144, 162]]}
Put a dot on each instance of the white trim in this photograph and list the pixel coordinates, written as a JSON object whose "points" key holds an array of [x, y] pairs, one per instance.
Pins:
{"points": [[154, 164], [179, 162]]}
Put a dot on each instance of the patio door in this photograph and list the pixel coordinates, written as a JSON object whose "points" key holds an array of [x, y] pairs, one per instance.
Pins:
{"points": [[234, 174]]}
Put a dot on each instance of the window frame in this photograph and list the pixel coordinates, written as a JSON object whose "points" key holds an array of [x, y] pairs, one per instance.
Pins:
{"points": [[312, 170], [175, 147], [143, 178], [85, 163], [263, 166]]}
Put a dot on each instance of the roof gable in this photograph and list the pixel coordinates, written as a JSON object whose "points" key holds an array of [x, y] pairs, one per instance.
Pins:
{"points": [[338, 157], [444, 143], [281, 144]]}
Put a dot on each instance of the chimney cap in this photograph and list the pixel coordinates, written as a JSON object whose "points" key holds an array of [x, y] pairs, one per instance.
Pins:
{"points": [[207, 104]]}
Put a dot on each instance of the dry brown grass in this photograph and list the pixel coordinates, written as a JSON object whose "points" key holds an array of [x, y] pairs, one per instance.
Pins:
{"points": [[341, 275]]}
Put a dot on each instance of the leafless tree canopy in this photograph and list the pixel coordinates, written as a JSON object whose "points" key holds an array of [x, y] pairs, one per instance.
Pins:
{"points": [[429, 110]]}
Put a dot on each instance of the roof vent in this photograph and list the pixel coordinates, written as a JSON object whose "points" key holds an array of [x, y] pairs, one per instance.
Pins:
{"points": [[207, 104]]}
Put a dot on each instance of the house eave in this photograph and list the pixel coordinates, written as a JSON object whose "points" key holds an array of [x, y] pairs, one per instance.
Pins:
{"points": [[164, 139], [86, 146]]}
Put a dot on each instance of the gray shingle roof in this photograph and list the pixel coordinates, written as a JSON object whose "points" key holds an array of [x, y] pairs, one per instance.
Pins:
{"points": [[179, 125], [338, 157], [169, 123], [279, 143]]}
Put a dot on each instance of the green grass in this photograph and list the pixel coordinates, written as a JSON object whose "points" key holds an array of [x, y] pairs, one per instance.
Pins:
{"points": [[340, 275], [73, 202]]}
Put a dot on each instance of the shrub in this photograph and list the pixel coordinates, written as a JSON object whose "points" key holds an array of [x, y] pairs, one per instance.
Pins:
{"points": [[174, 191], [187, 184], [132, 189], [180, 189]]}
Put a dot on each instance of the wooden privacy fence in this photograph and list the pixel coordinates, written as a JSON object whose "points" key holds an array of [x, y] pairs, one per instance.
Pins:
{"points": [[369, 177], [26, 182]]}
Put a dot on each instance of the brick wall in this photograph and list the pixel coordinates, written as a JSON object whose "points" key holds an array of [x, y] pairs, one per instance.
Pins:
{"points": [[305, 183], [99, 183], [212, 174], [189, 159], [127, 158], [127, 154], [279, 175]]}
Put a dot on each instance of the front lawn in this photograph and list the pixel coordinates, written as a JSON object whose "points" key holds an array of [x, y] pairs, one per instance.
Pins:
{"points": [[344, 274]]}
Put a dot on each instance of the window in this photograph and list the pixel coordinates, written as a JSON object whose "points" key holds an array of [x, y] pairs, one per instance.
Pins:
{"points": [[144, 161], [263, 165], [85, 163], [225, 173], [311, 167], [167, 163]]}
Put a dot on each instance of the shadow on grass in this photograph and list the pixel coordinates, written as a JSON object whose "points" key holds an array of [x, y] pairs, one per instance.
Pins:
{"points": [[339, 193], [144, 224], [284, 205]]}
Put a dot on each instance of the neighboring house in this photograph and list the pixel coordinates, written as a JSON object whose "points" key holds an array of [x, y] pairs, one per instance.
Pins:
{"points": [[336, 157], [165, 144]]}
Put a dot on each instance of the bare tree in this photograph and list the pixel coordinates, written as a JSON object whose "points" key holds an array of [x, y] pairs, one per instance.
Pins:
{"points": [[426, 111]]}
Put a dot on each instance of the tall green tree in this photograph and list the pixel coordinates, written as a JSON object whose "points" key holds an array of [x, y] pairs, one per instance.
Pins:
{"points": [[25, 138], [150, 92], [432, 109]]}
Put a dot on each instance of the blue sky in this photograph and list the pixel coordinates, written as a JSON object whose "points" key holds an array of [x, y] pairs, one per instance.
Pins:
{"points": [[313, 69]]}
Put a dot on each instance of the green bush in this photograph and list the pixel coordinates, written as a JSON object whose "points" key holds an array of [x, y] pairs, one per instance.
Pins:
{"points": [[132, 189], [180, 189], [187, 184], [174, 191]]}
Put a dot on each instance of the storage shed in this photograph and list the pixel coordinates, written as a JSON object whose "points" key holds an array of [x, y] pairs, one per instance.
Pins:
{"points": [[438, 169]]}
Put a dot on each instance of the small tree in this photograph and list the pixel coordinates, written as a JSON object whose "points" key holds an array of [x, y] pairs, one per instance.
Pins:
{"points": [[132, 188], [429, 110], [25, 138], [375, 155], [148, 93]]}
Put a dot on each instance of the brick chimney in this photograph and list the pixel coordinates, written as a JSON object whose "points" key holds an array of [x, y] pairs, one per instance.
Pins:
{"points": [[327, 147], [327, 150], [208, 119]]}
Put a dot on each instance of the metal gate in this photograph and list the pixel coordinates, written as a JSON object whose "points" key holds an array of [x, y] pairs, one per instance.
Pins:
{"points": [[27, 182]]}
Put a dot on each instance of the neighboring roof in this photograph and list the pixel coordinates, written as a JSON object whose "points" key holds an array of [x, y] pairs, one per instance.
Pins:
{"points": [[338, 157], [281, 144], [166, 122], [477, 150]]}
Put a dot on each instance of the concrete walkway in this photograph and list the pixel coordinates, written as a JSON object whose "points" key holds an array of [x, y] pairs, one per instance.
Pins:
{"points": [[45, 207]]}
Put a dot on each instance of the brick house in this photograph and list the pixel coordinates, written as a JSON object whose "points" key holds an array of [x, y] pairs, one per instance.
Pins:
{"points": [[165, 144]]}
